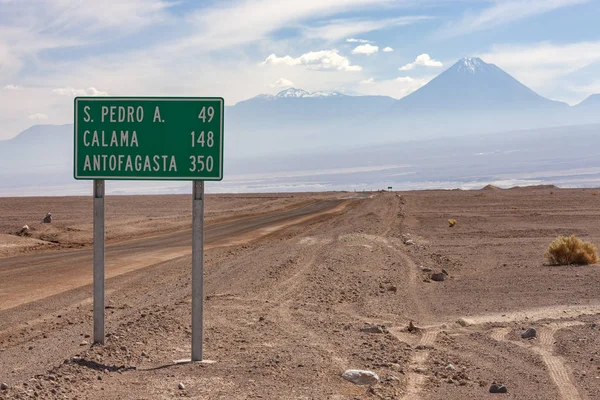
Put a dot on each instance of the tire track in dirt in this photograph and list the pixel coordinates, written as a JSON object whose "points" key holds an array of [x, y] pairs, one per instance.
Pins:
{"points": [[499, 334], [417, 378], [307, 335], [556, 366], [544, 347]]}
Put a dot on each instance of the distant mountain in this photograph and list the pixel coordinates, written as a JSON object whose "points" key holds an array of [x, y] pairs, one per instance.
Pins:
{"points": [[472, 84], [295, 119], [473, 97], [591, 102]]}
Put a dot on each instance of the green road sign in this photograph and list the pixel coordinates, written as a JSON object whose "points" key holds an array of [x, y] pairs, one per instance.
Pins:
{"points": [[149, 138]]}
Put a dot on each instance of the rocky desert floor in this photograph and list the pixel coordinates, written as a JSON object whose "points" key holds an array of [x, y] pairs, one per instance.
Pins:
{"points": [[300, 288]]}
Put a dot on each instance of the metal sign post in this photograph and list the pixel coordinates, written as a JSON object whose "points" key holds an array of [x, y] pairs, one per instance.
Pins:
{"points": [[99, 261], [197, 269]]}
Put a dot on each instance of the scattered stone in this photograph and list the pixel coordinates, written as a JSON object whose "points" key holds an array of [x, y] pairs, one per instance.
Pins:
{"points": [[181, 386], [421, 371], [412, 328], [144, 354], [438, 277], [425, 269], [47, 219], [529, 334], [498, 388], [409, 242], [360, 377], [462, 322], [445, 272], [373, 329], [450, 367], [392, 288], [84, 343], [24, 231], [3, 386]]}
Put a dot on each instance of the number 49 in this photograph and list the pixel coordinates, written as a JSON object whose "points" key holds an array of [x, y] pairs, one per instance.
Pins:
{"points": [[210, 112]]}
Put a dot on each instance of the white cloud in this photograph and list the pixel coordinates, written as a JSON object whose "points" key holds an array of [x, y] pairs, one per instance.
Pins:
{"points": [[367, 49], [339, 29], [37, 117], [387, 50], [69, 91], [367, 81], [11, 87], [316, 60], [541, 64], [63, 17], [502, 12], [396, 88], [352, 40], [282, 83], [249, 21], [422, 60]]}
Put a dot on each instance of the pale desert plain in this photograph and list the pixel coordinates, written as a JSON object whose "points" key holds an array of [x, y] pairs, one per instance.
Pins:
{"points": [[300, 288]]}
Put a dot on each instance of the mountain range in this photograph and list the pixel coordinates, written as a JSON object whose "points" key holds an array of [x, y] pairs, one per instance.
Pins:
{"points": [[470, 98]]}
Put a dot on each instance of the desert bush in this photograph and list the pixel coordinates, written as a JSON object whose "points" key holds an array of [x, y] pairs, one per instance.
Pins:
{"points": [[452, 222], [566, 250]]}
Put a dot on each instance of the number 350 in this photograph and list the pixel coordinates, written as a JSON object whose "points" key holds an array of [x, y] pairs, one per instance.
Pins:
{"points": [[201, 163]]}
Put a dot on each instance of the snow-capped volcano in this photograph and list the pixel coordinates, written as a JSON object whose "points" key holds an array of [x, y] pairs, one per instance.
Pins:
{"points": [[472, 84]]}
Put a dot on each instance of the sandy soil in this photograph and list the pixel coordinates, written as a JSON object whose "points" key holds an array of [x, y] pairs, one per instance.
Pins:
{"points": [[284, 310]]}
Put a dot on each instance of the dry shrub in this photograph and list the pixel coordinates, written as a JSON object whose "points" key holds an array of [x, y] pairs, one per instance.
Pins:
{"points": [[452, 222], [567, 250]]}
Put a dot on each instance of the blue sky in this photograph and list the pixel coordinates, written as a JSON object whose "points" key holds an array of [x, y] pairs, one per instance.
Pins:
{"points": [[52, 50]]}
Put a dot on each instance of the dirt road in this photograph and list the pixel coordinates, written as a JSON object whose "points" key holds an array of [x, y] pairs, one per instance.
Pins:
{"points": [[285, 313], [33, 277]]}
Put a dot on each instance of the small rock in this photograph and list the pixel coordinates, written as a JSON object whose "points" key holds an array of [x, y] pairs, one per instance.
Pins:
{"points": [[392, 288], [529, 334], [498, 388], [84, 343], [462, 322], [47, 219], [360, 377], [181, 386], [438, 277], [24, 231], [144, 354], [411, 327], [445, 272], [409, 242], [373, 329], [3, 386], [425, 269], [450, 367]]}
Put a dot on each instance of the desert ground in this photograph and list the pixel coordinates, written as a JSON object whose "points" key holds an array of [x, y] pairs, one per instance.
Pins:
{"points": [[300, 288]]}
